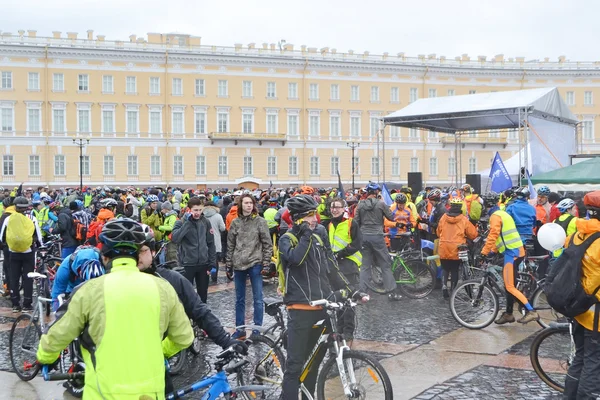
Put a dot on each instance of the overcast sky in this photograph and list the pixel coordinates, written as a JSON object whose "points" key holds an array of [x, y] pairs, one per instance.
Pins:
{"points": [[527, 28]]}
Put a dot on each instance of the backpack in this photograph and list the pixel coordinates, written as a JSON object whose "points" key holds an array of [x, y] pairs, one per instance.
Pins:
{"points": [[563, 287], [79, 231], [93, 233], [280, 269], [19, 233], [475, 210]]}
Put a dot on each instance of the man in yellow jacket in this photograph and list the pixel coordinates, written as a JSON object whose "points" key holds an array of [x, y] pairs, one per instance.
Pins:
{"points": [[124, 316]]}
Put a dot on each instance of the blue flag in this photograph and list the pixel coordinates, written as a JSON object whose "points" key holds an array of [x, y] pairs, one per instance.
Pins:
{"points": [[340, 192], [385, 195], [499, 175], [532, 191]]}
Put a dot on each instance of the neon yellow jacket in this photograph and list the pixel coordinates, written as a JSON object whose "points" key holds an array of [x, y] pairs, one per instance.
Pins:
{"points": [[126, 314]]}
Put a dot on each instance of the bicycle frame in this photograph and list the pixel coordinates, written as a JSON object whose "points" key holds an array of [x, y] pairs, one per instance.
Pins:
{"points": [[399, 260]]}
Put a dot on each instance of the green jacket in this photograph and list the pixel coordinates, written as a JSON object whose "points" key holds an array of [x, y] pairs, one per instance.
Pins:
{"points": [[124, 316], [154, 220], [169, 222]]}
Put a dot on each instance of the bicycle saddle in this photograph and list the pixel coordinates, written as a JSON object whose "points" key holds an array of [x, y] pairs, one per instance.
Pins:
{"points": [[35, 275], [272, 305]]}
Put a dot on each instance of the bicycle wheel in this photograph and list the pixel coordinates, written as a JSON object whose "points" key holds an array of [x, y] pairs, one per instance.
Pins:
{"points": [[551, 354], [473, 305], [177, 362], [23, 343], [199, 339], [375, 281], [266, 367], [419, 276], [365, 376], [547, 313]]}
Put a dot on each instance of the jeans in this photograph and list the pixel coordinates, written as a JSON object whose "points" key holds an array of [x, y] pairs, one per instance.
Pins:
{"points": [[67, 251], [6, 265], [239, 278], [20, 265], [200, 275], [582, 381], [375, 252]]}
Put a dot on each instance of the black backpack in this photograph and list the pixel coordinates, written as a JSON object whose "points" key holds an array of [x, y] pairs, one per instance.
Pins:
{"points": [[563, 287], [565, 223]]}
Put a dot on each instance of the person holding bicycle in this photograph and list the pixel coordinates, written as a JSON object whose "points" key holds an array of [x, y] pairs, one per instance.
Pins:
{"points": [[124, 316], [404, 221]]}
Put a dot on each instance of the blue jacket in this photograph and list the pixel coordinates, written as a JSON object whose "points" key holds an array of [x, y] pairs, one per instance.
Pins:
{"points": [[524, 215], [67, 276]]}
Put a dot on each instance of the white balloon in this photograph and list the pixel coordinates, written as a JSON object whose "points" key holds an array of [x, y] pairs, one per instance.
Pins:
{"points": [[552, 236]]}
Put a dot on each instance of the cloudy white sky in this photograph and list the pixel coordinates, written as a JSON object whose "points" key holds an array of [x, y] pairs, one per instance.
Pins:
{"points": [[531, 29]]}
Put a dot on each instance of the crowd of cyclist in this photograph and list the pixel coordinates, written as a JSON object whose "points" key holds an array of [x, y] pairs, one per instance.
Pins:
{"points": [[326, 243]]}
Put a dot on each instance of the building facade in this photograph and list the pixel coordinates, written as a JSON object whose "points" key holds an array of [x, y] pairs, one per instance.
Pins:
{"points": [[168, 110]]}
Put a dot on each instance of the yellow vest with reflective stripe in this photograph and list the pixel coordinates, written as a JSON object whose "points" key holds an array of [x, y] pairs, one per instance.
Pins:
{"points": [[340, 238], [269, 216], [509, 236]]}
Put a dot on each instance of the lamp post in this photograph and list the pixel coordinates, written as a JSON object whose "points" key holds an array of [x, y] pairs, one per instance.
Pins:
{"points": [[81, 142], [353, 146]]}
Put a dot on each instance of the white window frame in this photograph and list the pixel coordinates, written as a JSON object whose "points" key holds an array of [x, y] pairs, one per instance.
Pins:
{"points": [[413, 95], [83, 83], [6, 82], [4, 127], [84, 107], [433, 166], [472, 91], [570, 98], [177, 87], [334, 165], [108, 84], [8, 165], [292, 90], [108, 108], [356, 165], [223, 165], [272, 90], [272, 128], [315, 166], [178, 165], [313, 92], [293, 166], [588, 98], [58, 82], [200, 165], [451, 92], [395, 134], [472, 165], [247, 116], [133, 109], [414, 135], [200, 112], [33, 82], [86, 163], [220, 113], [395, 166], [248, 165], [373, 124], [58, 159], [35, 162], [395, 95], [451, 166], [108, 165], [151, 110], [200, 88], [131, 85], [154, 86], [354, 93], [132, 165], [155, 163], [178, 110], [271, 165], [432, 93], [335, 116], [314, 116], [355, 125], [587, 130], [334, 92], [374, 94], [247, 90], [375, 166], [432, 136], [414, 164], [223, 88], [59, 106], [34, 106]]}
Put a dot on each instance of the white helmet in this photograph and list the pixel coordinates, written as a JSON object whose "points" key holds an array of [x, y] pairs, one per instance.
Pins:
{"points": [[237, 193], [565, 204]]}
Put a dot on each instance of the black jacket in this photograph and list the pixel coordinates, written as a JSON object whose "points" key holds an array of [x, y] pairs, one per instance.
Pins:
{"points": [[436, 214], [65, 228], [311, 271], [196, 242], [194, 307]]}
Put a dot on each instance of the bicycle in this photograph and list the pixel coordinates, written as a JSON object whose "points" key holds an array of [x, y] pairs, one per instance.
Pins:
{"points": [[552, 353]]}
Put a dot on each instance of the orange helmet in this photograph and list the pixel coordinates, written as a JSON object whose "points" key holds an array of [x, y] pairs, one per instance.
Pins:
{"points": [[307, 190]]}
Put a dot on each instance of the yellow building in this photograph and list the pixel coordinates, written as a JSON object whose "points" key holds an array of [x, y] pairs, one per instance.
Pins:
{"points": [[169, 110]]}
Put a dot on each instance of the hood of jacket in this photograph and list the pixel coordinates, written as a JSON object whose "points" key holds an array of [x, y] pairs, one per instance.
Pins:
{"points": [[587, 226], [370, 203], [172, 212], [233, 210], [105, 214], [209, 211], [453, 218], [177, 195]]}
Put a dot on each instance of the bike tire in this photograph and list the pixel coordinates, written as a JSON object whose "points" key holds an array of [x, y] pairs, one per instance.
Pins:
{"points": [[329, 372], [199, 338], [550, 335], [269, 364], [424, 275], [547, 313], [377, 287], [467, 292], [24, 322], [178, 362]]}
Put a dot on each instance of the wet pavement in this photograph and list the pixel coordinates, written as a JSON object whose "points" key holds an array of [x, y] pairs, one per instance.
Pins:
{"points": [[426, 353]]}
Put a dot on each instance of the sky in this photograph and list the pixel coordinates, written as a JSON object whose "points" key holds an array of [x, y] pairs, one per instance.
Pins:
{"points": [[533, 29]]}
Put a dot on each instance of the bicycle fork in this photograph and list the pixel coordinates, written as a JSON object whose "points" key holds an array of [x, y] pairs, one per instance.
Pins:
{"points": [[346, 369]]}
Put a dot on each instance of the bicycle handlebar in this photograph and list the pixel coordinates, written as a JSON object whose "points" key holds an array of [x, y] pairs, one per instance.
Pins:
{"points": [[332, 305], [60, 377]]}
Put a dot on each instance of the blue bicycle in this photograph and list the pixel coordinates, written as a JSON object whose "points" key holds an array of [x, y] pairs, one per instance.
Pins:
{"points": [[228, 362]]}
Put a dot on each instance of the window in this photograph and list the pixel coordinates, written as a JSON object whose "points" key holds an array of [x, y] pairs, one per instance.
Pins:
{"points": [[33, 120], [7, 119], [155, 165], [83, 83], [58, 82], [247, 122], [177, 165], [34, 165], [222, 121], [494, 133], [109, 165], [356, 165], [570, 98], [414, 164], [271, 165], [7, 80], [413, 134], [200, 87], [247, 166], [223, 165], [313, 126], [58, 121], [83, 121], [178, 125], [108, 85], [588, 98], [451, 92], [472, 165], [395, 166], [395, 132], [394, 95], [293, 165], [132, 121], [374, 94], [155, 121], [432, 136], [354, 93], [313, 91], [314, 165], [132, 165], [451, 166], [588, 130], [177, 87], [271, 90], [154, 85], [472, 91], [413, 95], [432, 92], [334, 165], [334, 126], [222, 88], [200, 122], [292, 125], [374, 166], [130, 85], [108, 121], [34, 81], [355, 126], [433, 166], [8, 165], [292, 91], [59, 165], [200, 165], [247, 89], [374, 128], [513, 134], [272, 123], [334, 92]]}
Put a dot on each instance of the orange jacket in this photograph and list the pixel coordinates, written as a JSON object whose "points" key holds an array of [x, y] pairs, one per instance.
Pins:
{"points": [[453, 231], [405, 216], [590, 265], [95, 228], [231, 216]]}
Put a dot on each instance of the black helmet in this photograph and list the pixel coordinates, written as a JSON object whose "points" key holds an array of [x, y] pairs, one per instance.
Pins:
{"points": [[299, 206], [435, 195], [7, 202], [108, 203], [522, 192], [122, 237], [401, 198], [406, 190], [21, 203]]}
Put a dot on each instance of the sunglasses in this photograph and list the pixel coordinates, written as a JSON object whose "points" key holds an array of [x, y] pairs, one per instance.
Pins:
{"points": [[311, 213]]}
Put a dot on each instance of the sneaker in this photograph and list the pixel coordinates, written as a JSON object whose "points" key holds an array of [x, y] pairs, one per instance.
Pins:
{"points": [[27, 309], [255, 332], [239, 335], [16, 310], [505, 318], [438, 283], [394, 296], [529, 316], [445, 293], [229, 273]]}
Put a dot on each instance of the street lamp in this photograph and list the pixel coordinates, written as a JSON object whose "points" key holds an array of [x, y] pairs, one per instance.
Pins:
{"points": [[81, 142], [353, 146]]}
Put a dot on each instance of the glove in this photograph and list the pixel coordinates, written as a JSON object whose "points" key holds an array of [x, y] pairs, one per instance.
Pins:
{"points": [[400, 225], [238, 346], [229, 272], [360, 297], [303, 228], [338, 256]]}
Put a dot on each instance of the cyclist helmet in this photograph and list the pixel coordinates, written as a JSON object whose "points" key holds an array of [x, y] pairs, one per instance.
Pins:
{"points": [[108, 203], [21, 203], [456, 201], [565, 205], [36, 202], [467, 188], [522, 192], [7, 202], [543, 191], [307, 190], [401, 198], [435, 195], [301, 205], [91, 269], [322, 191], [372, 187], [152, 198], [406, 189], [54, 205], [122, 237], [46, 199], [79, 204], [592, 204]]}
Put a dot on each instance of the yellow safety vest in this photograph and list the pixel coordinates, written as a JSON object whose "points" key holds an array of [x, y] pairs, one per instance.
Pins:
{"points": [[322, 209], [340, 238], [87, 200], [509, 237], [269, 216]]}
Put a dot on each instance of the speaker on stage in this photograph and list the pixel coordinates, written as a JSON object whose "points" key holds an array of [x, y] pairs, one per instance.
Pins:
{"points": [[415, 182], [475, 181]]}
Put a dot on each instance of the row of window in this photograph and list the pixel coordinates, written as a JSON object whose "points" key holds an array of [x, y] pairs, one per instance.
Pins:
{"points": [[60, 168]]}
